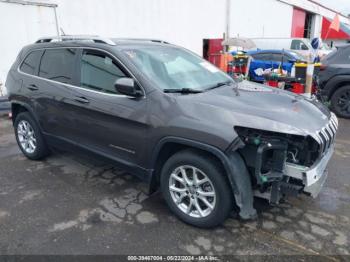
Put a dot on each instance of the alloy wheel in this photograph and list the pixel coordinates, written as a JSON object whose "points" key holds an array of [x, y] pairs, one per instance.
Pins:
{"points": [[26, 137], [192, 191]]}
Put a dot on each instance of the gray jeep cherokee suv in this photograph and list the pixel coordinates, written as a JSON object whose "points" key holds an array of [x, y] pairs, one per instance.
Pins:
{"points": [[174, 120]]}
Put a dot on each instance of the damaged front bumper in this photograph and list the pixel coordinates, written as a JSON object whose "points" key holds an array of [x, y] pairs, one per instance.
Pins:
{"points": [[299, 179], [312, 178], [285, 165]]}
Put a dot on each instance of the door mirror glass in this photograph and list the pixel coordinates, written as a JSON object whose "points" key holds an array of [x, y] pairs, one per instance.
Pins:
{"points": [[127, 86]]}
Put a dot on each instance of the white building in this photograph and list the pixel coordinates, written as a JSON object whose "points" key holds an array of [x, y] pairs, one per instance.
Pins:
{"points": [[183, 22]]}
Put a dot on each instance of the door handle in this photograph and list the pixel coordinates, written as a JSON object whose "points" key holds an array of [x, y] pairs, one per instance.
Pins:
{"points": [[81, 100], [33, 87]]}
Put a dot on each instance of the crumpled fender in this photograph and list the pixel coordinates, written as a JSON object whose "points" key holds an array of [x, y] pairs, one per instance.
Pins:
{"points": [[241, 186]]}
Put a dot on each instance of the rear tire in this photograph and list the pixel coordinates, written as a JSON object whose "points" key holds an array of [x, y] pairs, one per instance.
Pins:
{"points": [[340, 102], [196, 189], [29, 137]]}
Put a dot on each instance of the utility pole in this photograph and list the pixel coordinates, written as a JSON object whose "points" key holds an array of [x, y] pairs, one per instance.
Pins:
{"points": [[228, 19]]}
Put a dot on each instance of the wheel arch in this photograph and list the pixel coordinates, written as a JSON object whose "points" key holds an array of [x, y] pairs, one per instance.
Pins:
{"points": [[230, 160], [168, 146], [18, 107], [335, 83]]}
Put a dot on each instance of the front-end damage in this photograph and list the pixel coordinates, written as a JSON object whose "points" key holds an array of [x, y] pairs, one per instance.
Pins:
{"points": [[282, 164]]}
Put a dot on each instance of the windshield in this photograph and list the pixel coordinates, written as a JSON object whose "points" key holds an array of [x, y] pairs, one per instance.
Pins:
{"points": [[175, 68]]}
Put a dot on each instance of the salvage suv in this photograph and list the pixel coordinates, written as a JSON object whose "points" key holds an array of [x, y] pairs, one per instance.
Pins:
{"points": [[171, 118]]}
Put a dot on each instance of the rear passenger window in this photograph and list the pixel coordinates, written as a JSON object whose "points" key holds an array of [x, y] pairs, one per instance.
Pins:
{"points": [[99, 72], [58, 65], [31, 63]]}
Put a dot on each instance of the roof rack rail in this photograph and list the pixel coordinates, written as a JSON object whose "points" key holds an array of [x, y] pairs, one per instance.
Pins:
{"points": [[142, 39], [95, 39]]}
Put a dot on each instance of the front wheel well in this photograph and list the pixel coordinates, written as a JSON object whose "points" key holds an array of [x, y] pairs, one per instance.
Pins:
{"points": [[168, 150], [337, 86]]}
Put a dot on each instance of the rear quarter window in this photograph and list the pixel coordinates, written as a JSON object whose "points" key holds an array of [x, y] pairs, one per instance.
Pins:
{"points": [[31, 62]]}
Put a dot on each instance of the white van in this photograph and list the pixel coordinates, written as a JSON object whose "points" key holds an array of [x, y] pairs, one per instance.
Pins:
{"points": [[298, 45]]}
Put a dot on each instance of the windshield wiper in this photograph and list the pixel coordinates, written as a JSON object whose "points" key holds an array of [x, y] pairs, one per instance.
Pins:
{"points": [[220, 84], [183, 91]]}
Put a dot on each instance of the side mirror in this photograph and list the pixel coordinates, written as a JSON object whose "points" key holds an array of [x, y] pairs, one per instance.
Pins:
{"points": [[126, 86]]}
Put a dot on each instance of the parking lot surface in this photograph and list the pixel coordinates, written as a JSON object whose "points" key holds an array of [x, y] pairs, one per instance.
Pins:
{"points": [[71, 204]]}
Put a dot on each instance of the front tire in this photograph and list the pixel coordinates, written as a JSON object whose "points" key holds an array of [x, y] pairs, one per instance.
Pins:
{"points": [[29, 138], [340, 102], [196, 189]]}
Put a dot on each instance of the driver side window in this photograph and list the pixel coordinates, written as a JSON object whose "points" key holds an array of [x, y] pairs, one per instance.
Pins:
{"points": [[99, 72], [298, 45]]}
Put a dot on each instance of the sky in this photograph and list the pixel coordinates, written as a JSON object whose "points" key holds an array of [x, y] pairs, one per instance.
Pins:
{"points": [[342, 6]]}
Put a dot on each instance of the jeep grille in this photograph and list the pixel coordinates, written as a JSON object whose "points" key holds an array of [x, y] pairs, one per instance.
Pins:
{"points": [[326, 136]]}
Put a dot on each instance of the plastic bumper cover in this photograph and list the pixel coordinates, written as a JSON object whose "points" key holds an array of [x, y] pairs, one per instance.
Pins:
{"points": [[314, 177]]}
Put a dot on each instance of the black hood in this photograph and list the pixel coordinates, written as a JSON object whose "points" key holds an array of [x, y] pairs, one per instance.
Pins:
{"points": [[258, 106]]}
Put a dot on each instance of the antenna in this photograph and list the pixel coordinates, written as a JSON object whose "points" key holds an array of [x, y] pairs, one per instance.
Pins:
{"points": [[62, 32]]}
